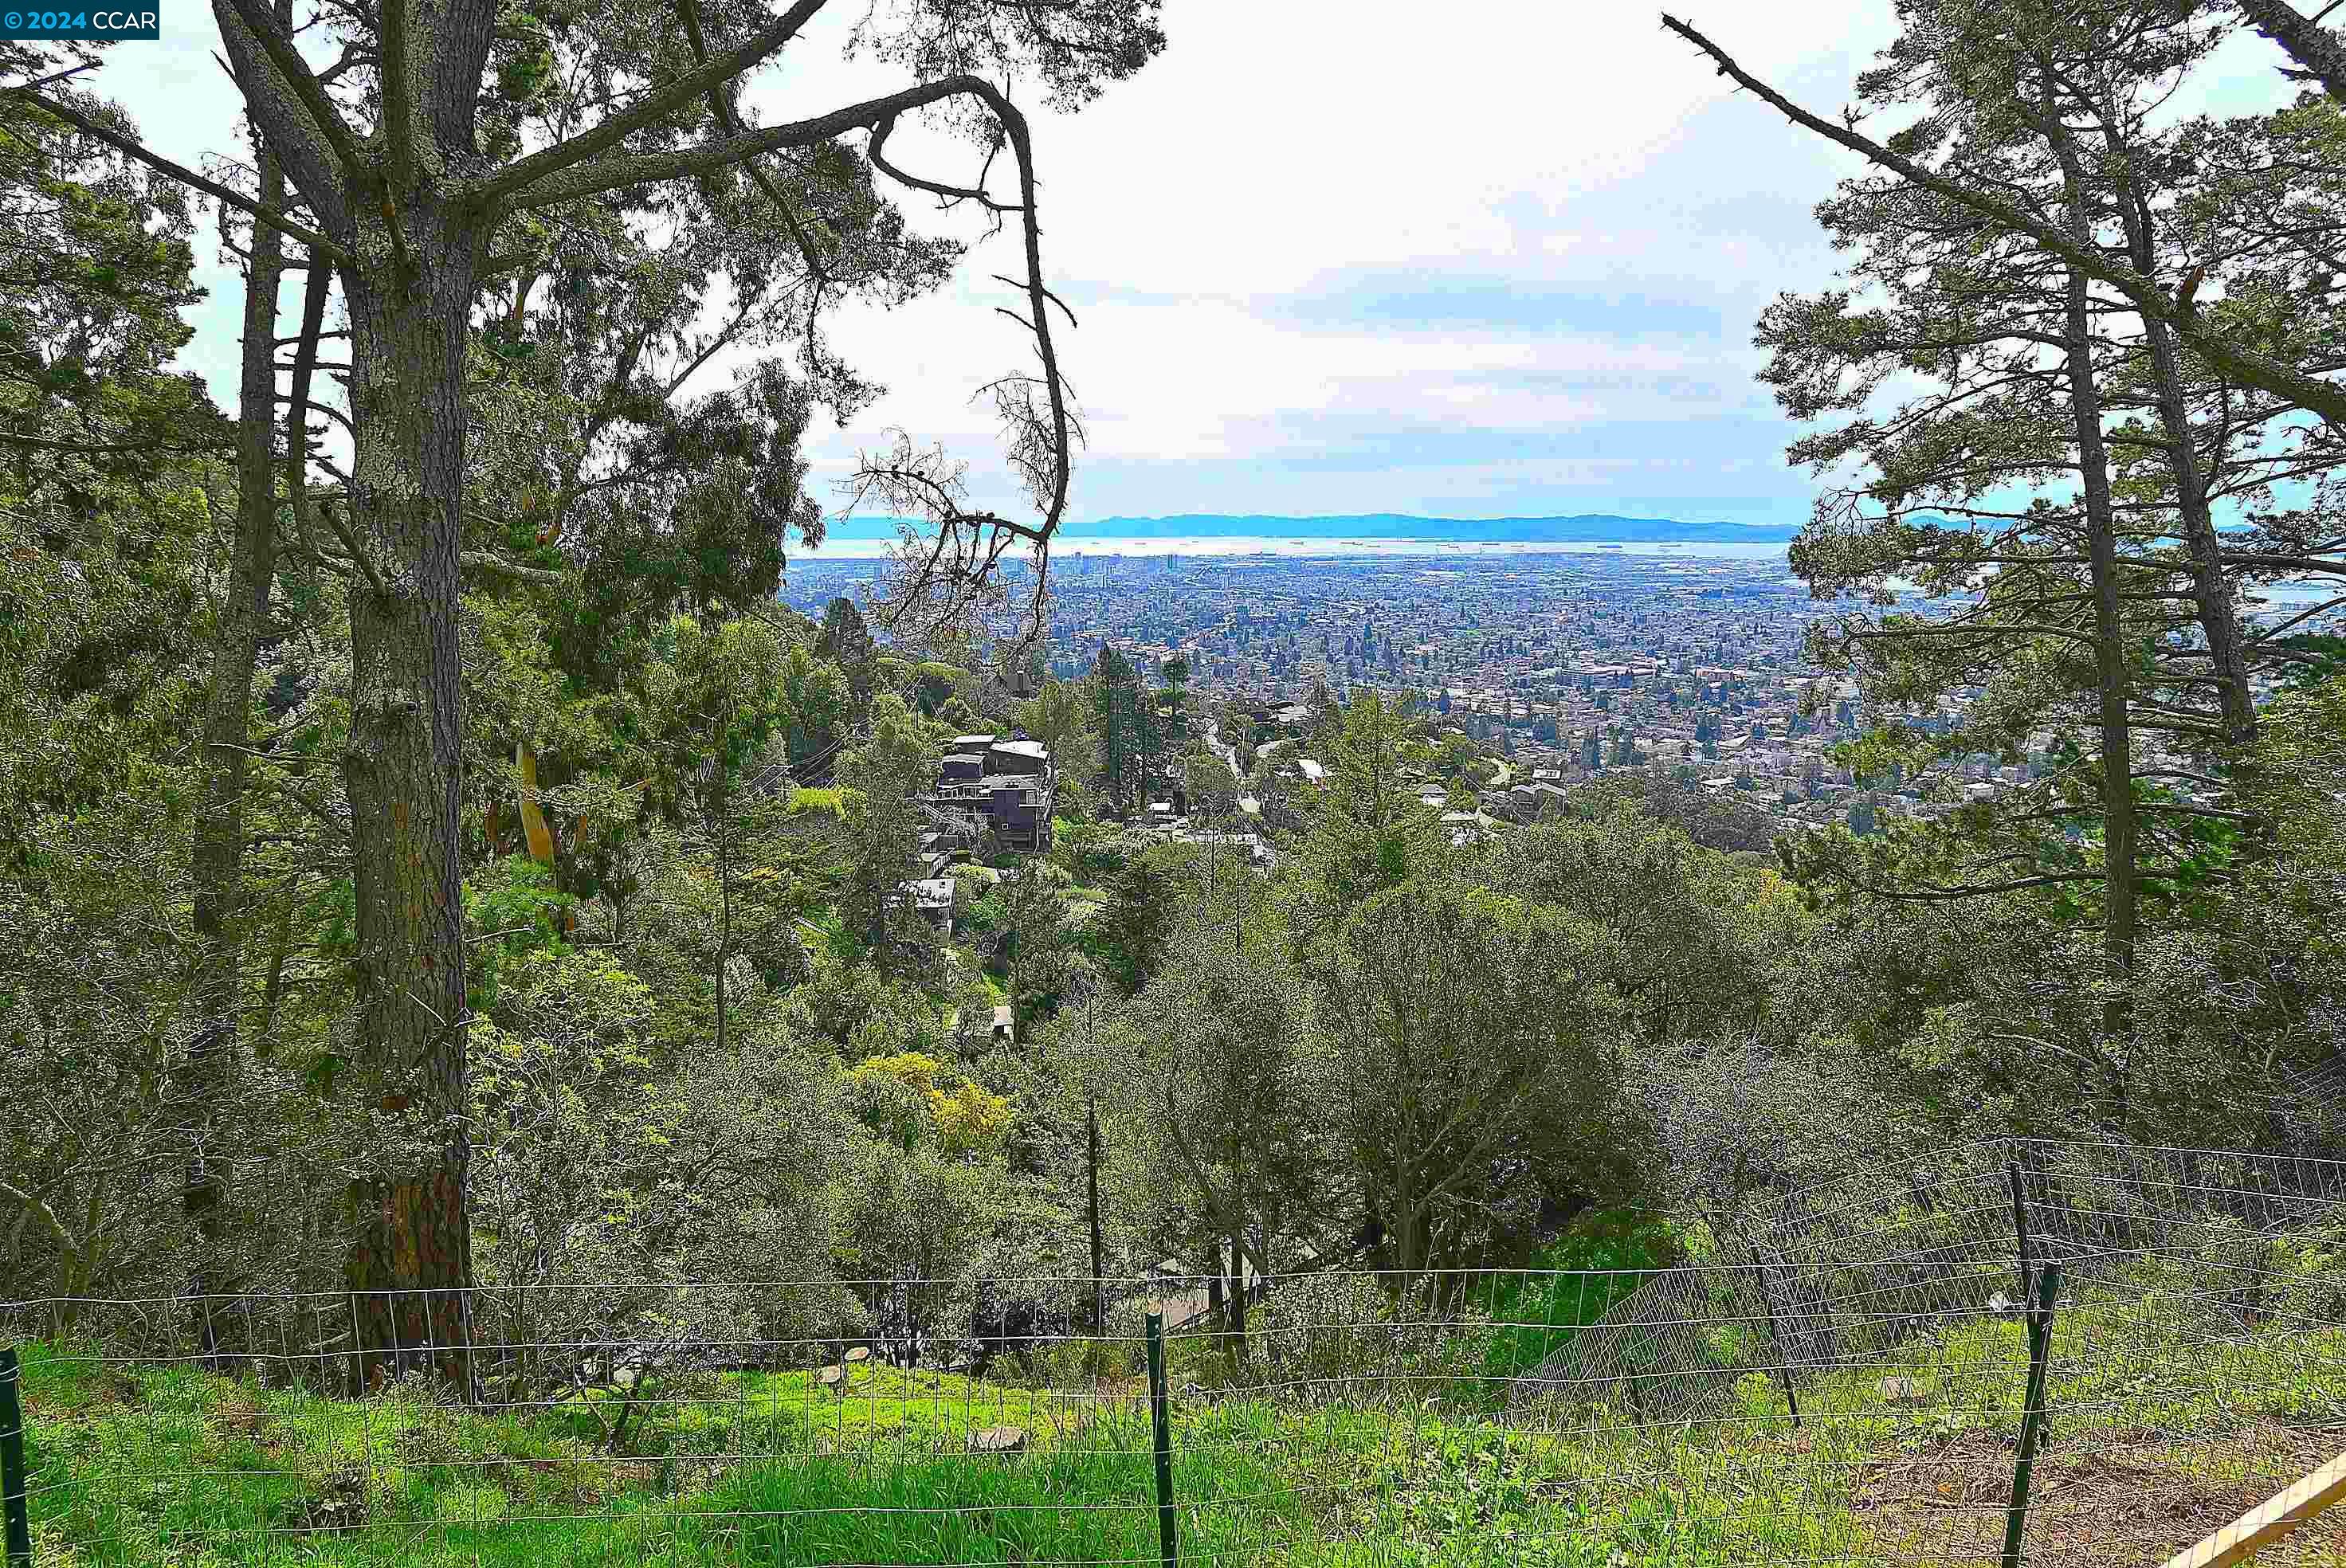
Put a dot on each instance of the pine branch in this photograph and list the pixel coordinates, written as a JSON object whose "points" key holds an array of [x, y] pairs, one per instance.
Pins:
{"points": [[130, 147]]}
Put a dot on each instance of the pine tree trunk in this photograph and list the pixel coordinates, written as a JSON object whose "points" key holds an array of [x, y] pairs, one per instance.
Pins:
{"points": [[2211, 584], [411, 1246], [2109, 646], [218, 860]]}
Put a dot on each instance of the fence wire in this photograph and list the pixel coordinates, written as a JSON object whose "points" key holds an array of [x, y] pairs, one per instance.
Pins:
{"points": [[1836, 1376]]}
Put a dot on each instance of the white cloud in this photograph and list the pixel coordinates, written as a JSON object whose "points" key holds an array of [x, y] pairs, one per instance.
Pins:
{"points": [[1315, 231]]}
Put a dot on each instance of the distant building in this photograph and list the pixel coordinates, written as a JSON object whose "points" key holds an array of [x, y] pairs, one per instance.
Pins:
{"points": [[933, 899], [1008, 785]]}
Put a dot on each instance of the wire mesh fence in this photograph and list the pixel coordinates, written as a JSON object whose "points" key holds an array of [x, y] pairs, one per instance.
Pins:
{"points": [[1836, 1376]]}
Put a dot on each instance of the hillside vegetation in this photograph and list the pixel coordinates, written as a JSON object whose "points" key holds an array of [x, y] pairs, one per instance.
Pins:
{"points": [[496, 1005], [2158, 1432]]}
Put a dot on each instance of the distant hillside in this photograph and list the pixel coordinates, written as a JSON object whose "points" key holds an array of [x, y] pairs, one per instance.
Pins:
{"points": [[1595, 528]]}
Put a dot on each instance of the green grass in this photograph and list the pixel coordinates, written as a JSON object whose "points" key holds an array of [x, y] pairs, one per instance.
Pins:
{"points": [[879, 1409], [184, 1469], [1538, 1316]]}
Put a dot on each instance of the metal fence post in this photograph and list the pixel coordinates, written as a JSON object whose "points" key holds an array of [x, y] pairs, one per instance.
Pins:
{"points": [[1168, 1538], [15, 1490], [2032, 1415]]}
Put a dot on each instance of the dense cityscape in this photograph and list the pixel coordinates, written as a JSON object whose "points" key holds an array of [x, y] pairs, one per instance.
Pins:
{"points": [[1564, 667]]}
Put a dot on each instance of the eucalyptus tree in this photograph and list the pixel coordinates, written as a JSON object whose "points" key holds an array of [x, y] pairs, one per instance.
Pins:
{"points": [[404, 131], [111, 481], [607, 458], [617, 482], [95, 270]]}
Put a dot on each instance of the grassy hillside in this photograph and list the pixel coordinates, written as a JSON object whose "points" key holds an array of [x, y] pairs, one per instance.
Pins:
{"points": [[2159, 1432]]}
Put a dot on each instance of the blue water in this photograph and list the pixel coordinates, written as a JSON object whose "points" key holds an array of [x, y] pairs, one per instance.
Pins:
{"points": [[1253, 545]]}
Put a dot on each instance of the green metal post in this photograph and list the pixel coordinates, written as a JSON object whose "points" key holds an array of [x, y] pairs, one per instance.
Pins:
{"points": [[13, 1487], [1168, 1538], [2032, 1415]]}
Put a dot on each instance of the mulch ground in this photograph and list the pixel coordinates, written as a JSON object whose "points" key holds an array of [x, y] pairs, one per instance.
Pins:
{"points": [[2136, 1499]]}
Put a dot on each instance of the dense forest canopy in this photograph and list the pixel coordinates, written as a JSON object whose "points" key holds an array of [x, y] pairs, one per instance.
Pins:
{"points": [[432, 855]]}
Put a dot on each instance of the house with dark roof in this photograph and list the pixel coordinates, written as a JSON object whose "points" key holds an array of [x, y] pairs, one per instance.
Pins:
{"points": [[1004, 784]]}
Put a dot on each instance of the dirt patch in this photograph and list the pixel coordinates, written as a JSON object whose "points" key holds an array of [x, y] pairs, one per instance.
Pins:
{"points": [[2129, 1500], [109, 1388]]}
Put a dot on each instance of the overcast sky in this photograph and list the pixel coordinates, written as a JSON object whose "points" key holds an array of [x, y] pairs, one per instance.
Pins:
{"points": [[1496, 259]]}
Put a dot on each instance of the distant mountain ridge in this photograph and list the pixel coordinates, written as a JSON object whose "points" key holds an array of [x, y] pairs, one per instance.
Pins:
{"points": [[1590, 528]]}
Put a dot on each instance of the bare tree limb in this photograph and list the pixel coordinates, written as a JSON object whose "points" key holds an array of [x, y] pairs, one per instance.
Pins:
{"points": [[951, 194]]}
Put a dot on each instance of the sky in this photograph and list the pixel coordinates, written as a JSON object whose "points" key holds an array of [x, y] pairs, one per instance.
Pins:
{"points": [[1500, 257]]}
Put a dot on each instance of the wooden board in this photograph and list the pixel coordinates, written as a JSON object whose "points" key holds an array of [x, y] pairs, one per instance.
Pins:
{"points": [[2268, 1522]]}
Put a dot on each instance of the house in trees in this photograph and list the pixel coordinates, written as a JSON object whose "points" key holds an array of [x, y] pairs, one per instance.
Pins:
{"points": [[1004, 785], [932, 899]]}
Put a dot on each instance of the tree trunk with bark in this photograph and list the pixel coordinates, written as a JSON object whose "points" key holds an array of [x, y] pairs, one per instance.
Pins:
{"points": [[406, 197], [2211, 582], [2320, 55], [411, 1246], [721, 824], [2110, 663], [213, 1066]]}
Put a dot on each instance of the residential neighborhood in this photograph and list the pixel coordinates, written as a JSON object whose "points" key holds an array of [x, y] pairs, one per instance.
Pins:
{"points": [[1562, 667]]}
